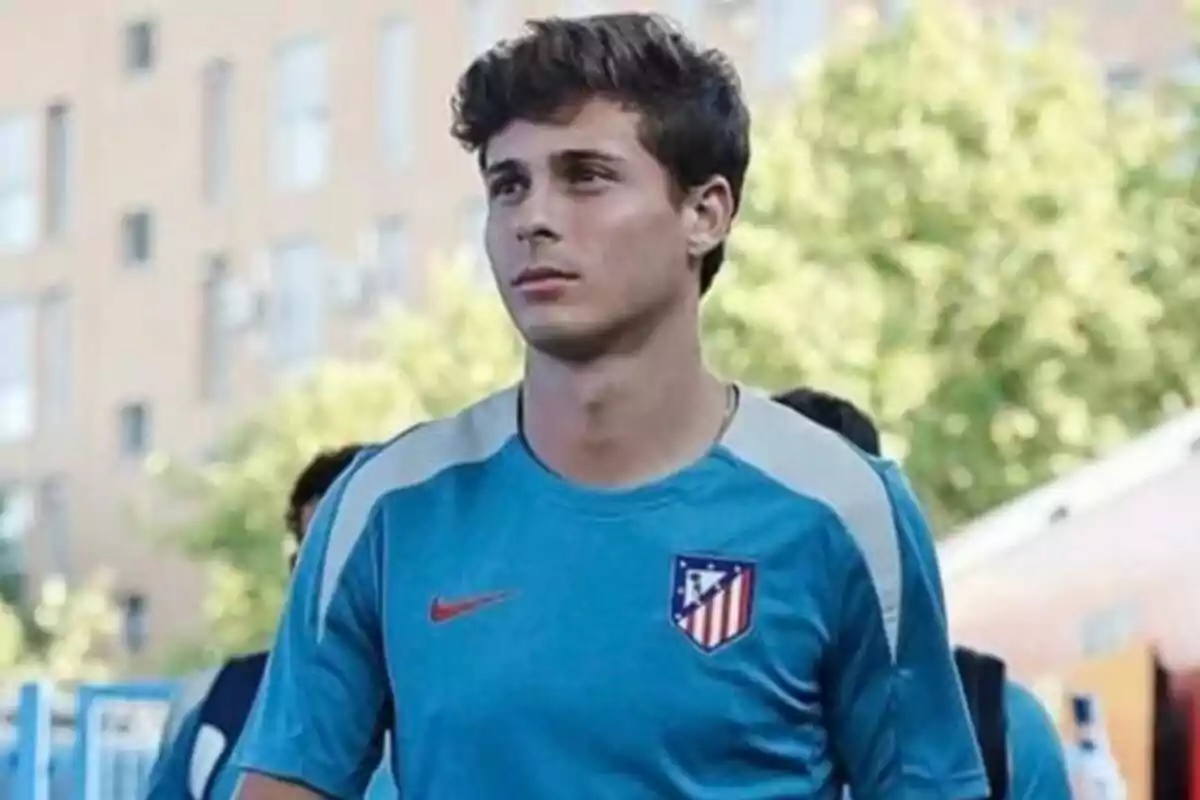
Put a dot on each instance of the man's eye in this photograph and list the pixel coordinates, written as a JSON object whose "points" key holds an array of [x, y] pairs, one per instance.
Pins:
{"points": [[586, 173], [502, 187]]}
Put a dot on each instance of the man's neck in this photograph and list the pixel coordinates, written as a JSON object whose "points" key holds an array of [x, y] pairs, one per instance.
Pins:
{"points": [[622, 420]]}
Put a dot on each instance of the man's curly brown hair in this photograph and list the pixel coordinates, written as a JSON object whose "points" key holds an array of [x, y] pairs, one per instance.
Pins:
{"points": [[694, 118]]}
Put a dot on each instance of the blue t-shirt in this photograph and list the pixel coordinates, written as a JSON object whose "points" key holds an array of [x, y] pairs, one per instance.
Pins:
{"points": [[1037, 762], [1037, 765], [757, 625], [189, 751], [186, 762]]}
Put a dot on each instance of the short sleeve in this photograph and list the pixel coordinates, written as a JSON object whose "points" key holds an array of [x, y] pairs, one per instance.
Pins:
{"points": [[939, 748], [319, 716], [898, 711]]}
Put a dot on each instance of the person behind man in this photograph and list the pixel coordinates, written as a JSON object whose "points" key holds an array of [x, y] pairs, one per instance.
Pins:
{"points": [[623, 578], [210, 712], [1011, 725]]}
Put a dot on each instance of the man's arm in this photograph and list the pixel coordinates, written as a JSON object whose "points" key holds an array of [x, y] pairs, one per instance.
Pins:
{"points": [[897, 713], [1039, 766], [317, 724], [255, 786], [169, 776]]}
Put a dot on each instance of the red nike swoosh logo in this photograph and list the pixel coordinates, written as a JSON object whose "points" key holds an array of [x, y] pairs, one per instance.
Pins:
{"points": [[444, 612]]}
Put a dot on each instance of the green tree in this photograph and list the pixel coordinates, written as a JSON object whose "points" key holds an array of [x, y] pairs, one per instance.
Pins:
{"points": [[67, 637], [969, 236], [460, 347], [965, 235]]}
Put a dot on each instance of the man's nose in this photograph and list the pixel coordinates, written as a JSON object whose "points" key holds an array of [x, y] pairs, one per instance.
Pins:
{"points": [[536, 216]]}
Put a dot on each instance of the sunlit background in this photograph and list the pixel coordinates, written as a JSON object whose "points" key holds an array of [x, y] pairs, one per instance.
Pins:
{"points": [[234, 233]]}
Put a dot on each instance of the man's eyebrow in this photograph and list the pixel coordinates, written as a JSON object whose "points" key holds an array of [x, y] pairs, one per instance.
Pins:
{"points": [[508, 166], [505, 166], [587, 154]]}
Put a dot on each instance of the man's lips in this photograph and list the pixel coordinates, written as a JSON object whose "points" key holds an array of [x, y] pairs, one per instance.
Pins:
{"points": [[535, 275]]}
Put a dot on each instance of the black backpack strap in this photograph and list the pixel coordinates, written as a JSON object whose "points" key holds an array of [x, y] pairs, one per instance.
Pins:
{"points": [[983, 679], [228, 703]]}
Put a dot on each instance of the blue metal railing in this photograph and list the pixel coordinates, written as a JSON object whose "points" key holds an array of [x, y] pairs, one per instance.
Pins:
{"points": [[96, 742], [90, 742]]}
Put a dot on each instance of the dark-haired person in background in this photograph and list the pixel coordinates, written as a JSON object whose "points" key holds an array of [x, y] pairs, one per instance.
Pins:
{"points": [[624, 578], [1027, 754], [194, 758]]}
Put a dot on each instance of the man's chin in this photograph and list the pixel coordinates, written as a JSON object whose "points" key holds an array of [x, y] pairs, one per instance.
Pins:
{"points": [[565, 341]]}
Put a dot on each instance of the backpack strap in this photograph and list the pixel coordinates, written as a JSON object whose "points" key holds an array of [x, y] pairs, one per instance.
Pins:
{"points": [[227, 708], [983, 679]]}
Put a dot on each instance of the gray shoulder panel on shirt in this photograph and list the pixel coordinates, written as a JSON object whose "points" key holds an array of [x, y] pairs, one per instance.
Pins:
{"points": [[472, 436], [815, 462]]}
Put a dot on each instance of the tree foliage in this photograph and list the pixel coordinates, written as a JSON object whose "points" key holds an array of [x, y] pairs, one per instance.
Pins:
{"points": [[65, 638], [964, 234], [423, 366], [971, 238]]}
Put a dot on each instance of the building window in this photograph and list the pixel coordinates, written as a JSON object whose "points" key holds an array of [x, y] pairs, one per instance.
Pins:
{"points": [[133, 621], [135, 432], [787, 33], [397, 91], [60, 153], [55, 331], [1024, 28], [300, 141], [218, 130], [140, 47], [137, 238], [18, 193], [54, 524], [893, 10], [1187, 68], [485, 24], [17, 377], [297, 305], [394, 259], [1123, 78], [216, 339], [16, 518]]}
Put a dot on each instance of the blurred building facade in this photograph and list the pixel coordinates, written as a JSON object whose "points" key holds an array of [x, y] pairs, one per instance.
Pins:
{"points": [[198, 201], [1090, 565]]}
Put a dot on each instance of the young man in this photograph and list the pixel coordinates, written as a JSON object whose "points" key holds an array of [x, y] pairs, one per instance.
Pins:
{"points": [[624, 578], [1030, 759], [194, 758]]}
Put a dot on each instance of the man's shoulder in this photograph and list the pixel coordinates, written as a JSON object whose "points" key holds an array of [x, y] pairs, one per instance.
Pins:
{"points": [[809, 460], [405, 463], [421, 453], [427, 449]]}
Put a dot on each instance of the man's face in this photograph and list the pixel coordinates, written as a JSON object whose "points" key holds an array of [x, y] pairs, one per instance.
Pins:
{"points": [[586, 237], [305, 519], [306, 514]]}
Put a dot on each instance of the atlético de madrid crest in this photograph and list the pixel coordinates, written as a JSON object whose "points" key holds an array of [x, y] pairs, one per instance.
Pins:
{"points": [[712, 599]]}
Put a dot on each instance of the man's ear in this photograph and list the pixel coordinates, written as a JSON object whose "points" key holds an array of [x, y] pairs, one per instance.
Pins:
{"points": [[708, 215]]}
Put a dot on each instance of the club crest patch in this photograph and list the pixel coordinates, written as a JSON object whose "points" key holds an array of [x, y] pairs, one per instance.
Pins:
{"points": [[712, 599]]}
